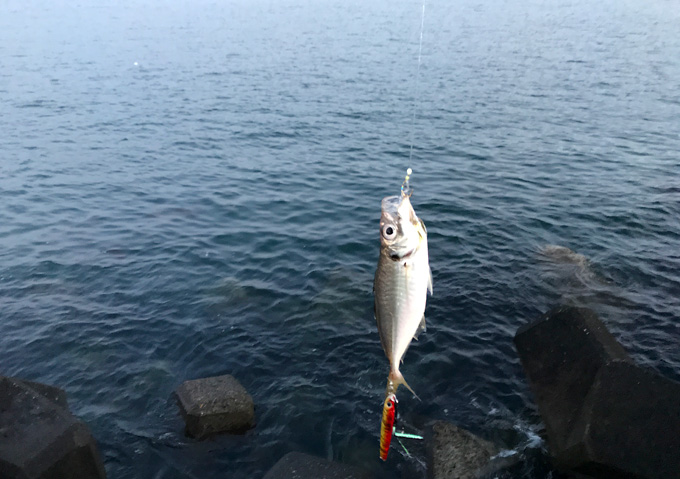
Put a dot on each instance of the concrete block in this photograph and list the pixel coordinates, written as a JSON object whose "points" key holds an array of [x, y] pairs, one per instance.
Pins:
{"points": [[454, 453], [605, 417], [562, 352], [40, 439], [629, 427], [296, 465], [215, 405], [51, 393]]}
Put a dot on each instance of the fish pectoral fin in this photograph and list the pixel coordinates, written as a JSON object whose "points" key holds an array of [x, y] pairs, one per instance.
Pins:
{"points": [[422, 224], [429, 280], [421, 328]]}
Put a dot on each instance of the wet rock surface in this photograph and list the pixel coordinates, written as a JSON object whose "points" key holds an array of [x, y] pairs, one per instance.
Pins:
{"points": [[296, 465], [604, 416], [629, 425], [40, 438], [561, 354], [454, 453], [51, 393], [214, 405]]}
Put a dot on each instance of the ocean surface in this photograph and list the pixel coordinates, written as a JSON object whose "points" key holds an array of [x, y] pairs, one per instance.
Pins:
{"points": [[192, 188]]}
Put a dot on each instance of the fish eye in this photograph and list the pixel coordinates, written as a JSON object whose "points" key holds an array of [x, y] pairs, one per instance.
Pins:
{"points": [[389, 232], [389, 403]]}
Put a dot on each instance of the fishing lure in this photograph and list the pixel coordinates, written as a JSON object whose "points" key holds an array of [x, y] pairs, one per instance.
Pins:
{"points": [[387, 425]]}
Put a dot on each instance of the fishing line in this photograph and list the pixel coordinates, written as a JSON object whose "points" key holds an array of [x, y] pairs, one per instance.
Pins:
{"points": [[408, 454], [417, 93]]}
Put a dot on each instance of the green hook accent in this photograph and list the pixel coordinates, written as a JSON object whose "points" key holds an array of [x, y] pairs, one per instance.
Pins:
{"points": [[408, 436]]}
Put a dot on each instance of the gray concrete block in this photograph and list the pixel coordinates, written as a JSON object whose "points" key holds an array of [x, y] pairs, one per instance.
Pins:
{"points": [[629, 427], [41, 439], [52, 393], [454, 453], [605, 416], [561, 353], [296, 465], [215, 405]]}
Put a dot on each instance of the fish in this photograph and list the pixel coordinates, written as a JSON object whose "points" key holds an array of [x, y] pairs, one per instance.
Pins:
{"points": [[402, 281], [387, 424]]}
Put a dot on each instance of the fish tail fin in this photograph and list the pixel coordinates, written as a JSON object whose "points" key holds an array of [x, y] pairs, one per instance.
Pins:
{"points": [[395, 380]]}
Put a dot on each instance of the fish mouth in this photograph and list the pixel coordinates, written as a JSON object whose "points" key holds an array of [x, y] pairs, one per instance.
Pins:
{"points": [[396, 257]]}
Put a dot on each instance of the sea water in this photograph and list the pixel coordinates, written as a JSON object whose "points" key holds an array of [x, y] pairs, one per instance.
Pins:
{"points": [[192, 188]]}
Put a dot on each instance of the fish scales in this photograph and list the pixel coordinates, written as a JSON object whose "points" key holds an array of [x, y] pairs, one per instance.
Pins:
{"points": [[402, 304], [402, 280]]}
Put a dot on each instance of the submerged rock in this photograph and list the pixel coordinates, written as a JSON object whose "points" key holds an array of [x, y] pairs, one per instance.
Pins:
{"points": [[40, 438], [296, 465], [604, 416], [454, 453], [215, 405], [563, 255], [569, 273]]}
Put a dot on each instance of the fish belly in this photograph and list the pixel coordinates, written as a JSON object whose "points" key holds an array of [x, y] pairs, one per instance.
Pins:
{"points": [[400, 297]]}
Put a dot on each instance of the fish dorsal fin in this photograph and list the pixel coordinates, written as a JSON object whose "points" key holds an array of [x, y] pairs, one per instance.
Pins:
{"points": [[421, 328]]}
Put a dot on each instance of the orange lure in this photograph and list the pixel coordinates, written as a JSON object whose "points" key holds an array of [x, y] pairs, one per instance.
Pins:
{"points": [[387, 425]]}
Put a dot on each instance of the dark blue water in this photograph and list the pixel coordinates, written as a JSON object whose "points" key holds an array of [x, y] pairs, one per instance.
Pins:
{"points": [[190, 189]]}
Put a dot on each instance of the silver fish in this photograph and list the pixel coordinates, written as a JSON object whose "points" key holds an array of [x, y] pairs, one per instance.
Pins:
{"points": [[402, 281]]}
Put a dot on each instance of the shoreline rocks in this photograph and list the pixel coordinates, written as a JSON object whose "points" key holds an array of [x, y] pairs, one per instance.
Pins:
{"points": [[40, 438], [214, 405], [454, 453], [296, 465], [604, 415]]}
